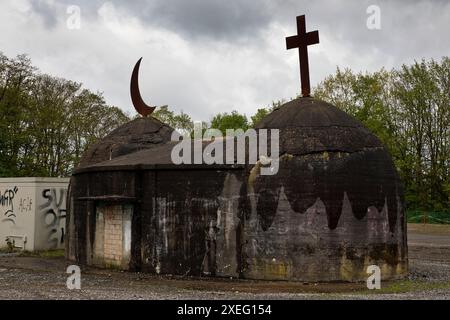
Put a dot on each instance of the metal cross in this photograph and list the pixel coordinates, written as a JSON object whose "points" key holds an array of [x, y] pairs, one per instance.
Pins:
{"points": [[301, 41]]}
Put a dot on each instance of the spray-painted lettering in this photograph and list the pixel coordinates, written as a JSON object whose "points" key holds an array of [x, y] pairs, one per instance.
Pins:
{"points": [[7, 204], [54, 215]]}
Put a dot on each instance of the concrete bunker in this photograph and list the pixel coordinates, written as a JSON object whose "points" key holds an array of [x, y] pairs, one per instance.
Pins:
{"points": [[334, 208]]}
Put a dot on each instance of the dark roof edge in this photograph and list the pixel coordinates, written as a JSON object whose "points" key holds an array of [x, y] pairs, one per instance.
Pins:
{"points": [[156, 167]]}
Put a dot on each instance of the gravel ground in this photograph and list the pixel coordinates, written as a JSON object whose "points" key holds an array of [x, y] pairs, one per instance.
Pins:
{"points": [[45, 278]]}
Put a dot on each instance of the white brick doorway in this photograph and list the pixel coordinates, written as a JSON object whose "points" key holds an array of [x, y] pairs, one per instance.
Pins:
{"points": [[112, 246]]}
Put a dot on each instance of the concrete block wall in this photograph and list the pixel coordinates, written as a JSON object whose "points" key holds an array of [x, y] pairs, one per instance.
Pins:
{"points": [[112, 245], [33, 212], [113, 236]]}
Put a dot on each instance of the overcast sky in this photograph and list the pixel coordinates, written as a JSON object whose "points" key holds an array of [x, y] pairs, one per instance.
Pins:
{"points": [[208, 56]]}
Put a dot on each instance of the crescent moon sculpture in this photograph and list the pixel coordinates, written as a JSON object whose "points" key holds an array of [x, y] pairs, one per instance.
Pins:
{"points": [[141, 107]]}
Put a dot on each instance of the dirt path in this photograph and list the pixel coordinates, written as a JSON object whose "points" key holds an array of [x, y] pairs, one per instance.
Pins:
{"points": [[45, 278]]}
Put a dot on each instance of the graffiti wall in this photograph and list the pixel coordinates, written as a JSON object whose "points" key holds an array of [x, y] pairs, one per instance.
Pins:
{"points": [[32, 213], [51, 217]]}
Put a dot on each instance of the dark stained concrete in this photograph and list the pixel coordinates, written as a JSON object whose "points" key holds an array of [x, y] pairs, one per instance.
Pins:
{"points": [[138, 134], [335, 206]]}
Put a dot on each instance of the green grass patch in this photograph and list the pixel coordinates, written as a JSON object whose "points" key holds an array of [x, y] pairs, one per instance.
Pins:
{"points": [[57, 253], [433, 217], [111, 266], [6, 251]]}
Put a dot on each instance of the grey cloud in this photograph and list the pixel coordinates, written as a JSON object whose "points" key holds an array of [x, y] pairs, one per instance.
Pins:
{"points": [[410, 30], [213, 19], [46, 11], [194, 19], [413, 28], [242, 21]]}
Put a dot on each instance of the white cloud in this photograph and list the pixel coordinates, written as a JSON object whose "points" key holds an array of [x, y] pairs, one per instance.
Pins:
{"points": [[203, 67]]}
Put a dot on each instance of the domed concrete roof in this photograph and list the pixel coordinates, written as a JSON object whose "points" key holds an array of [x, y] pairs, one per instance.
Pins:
{"points": [[324, 154], [140, 133], [309, 125]]}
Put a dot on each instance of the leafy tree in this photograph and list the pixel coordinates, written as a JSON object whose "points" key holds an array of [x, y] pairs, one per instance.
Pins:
{"points": [[262, 112], [47, 122], [422, 97], [408, 109], [233, 120], [164, 115], [180, 122], [257, 117]]}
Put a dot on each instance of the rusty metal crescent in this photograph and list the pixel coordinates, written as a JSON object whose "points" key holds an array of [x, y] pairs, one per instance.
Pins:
{"points": [[141, 107]]}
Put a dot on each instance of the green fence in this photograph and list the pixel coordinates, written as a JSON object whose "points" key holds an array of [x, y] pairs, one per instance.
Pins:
{"points": [[428, 217]]}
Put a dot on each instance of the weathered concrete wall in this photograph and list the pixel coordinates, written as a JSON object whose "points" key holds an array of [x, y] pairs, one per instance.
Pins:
{"points": [[190, 228], [236, 223], [84, 194], [33, 212], [17, 214], [180, 224], [325, 216]]}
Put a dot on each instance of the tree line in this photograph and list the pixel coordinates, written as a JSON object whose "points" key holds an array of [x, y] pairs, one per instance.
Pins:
{"points": [[409, 110], [47, 122]]}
